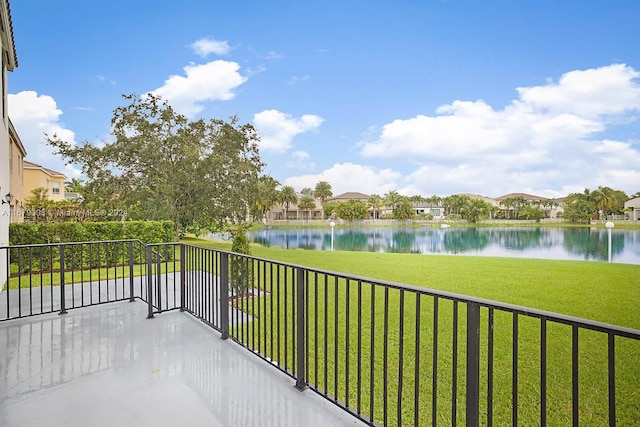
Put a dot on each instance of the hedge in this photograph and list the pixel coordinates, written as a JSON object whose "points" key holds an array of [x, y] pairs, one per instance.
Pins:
{"points": [[96, 255], [33, 233]]}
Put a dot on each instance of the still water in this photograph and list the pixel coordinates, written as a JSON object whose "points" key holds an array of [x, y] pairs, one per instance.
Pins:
{"points": [[548, 243]]}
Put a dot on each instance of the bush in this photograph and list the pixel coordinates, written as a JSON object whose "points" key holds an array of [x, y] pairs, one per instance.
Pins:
{"points": [[31, 233], [32, 259], [241, 271]]}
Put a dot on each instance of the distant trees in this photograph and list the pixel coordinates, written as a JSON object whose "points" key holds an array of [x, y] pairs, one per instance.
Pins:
{"points": [[307, 203], [287, 196], [266, 195], [352, 210], [453, 204], [578, 207], [39, 208], [376, 203], [475, 209], [323, 191], [604, 201], [513, 206]]}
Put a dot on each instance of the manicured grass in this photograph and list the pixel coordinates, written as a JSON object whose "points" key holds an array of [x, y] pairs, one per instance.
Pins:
{"points": [[593, 290], [606, 292]]}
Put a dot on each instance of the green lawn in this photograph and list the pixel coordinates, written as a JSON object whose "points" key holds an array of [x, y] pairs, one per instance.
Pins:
{"points": [[593, 290]]}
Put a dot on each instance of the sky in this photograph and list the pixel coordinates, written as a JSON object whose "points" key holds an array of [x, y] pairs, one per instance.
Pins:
{"points": [[425, 97]]}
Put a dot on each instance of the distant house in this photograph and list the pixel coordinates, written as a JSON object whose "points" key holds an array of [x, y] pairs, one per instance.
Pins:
{"points": [[38, 176], [354, 195], [490, 200], [17, 153], [293, 212], [550, 207], [436, 211], [9, 63], [350, 195], [633, 206]]}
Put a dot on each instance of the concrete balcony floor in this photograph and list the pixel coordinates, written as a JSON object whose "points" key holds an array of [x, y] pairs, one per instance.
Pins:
{"points": [[109, 366]]}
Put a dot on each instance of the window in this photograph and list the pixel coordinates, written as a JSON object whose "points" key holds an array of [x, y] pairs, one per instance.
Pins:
{"points": [[55, 188]]}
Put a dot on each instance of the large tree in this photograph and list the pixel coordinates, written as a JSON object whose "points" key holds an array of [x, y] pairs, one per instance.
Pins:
{"points": [[199, 174]]}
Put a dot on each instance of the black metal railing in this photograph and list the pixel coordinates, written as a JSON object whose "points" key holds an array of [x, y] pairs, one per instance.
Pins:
{"points": [[388, 353]]}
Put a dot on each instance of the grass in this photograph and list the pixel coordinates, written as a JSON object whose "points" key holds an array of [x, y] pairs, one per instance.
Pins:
{"points": [[594, 290], [606, 292]]}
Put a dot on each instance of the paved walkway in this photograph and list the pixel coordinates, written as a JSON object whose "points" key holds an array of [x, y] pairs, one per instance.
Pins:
{"points": [[110, 366]]}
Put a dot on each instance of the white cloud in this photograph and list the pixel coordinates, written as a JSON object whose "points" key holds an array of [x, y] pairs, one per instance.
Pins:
{"points": [[34, 116], [272, 55], [589, 93], [212, 81], [296, 79], [103, 79], [205, 46], [551, 138], [351, 177], [301, 160], [277, 129]]}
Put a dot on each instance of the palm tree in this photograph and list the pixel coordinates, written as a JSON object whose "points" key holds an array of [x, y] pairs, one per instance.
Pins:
{"points": [[376, 203], [267, 194], [322, 192], [434, 200], [393, 199], [604, 200], [307, 203], [287, 195], [74, 185]]}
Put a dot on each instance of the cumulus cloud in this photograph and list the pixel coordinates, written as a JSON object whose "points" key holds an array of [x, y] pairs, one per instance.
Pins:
{"points": [[33, 116], [301, 160], [277, 129], [205, 46], [550, 138], [213, 81], [351, 177]]}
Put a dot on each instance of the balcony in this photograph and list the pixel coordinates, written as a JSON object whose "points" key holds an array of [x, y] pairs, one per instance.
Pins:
{"points": [[108, 365], [119, 331]]}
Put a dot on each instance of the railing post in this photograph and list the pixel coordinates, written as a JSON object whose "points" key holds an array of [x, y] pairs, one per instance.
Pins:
{"points": [[473, 364], [159, 282], [62, 296], [149, 282], [301, 382], [224, 295], [131, 299], [183, 277]]}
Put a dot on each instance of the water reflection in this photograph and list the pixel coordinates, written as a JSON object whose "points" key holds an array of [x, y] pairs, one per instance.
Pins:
{"points": [[548, 243]]}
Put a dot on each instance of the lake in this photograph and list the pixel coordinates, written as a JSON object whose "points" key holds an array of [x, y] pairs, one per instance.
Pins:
{"points": [[587, 244]]}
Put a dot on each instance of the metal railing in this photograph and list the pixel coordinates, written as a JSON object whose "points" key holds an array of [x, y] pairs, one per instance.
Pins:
{"points": [[388, 353], [49, 278]]}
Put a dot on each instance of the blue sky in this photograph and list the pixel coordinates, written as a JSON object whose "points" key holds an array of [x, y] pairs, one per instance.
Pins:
{"points": [[424, 97]]}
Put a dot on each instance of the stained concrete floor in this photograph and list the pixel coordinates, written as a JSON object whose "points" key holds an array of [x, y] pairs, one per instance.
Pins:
{"points": [[110, 366]]}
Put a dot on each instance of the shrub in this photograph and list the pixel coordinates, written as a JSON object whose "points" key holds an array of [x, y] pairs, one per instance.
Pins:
{"points": [[241, 271]]}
